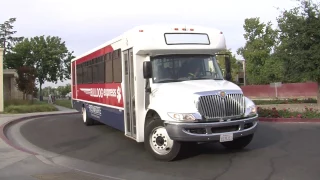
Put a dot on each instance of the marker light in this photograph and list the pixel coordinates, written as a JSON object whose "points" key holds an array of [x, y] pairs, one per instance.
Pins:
{"points": [[176, 29], [191, 29], [184, 29], [140, 30]]}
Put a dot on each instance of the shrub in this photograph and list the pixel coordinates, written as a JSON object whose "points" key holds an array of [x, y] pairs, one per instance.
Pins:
{"points": [[285, 113], [285, 101], [13, 109], [17, 102], [27, 106]]}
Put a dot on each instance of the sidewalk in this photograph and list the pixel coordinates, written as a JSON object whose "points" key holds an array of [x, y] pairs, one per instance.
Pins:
{"points": [[18, 165]]}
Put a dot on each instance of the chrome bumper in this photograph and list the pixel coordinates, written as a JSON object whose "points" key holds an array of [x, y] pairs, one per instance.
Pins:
{"points": [[201, 132]]}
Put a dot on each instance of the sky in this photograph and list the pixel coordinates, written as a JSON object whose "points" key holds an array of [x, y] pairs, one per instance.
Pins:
{"points": [[84, 25]]}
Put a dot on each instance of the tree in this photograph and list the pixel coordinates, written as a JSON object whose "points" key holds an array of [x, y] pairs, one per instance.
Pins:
{"points": [[64, 90], [67, 89], [48, 55], [7, 40], [300, 42], [257, 52], [35, 92], [26, 80], [46, 91], [21, 56]]}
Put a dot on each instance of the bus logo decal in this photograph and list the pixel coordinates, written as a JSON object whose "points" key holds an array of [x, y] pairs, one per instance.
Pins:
{"points": [[102, 92], [119, 94], [86, 90]]}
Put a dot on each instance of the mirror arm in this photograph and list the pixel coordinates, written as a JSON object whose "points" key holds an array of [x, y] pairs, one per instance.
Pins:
{"points": [[148, 88]]}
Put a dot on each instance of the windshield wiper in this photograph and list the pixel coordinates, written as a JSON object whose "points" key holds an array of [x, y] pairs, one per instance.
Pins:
{"points": [[206, 78], [199, 78], [169, 80]]}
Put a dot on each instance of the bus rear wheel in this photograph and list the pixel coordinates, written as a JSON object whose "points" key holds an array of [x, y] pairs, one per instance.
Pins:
{"points": [[158, 143]]}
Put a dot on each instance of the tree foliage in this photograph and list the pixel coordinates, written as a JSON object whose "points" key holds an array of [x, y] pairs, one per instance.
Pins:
{"points": [[7, 38], [26, 80], [261, 66], [48, 55], [60, 90], [64, 90], [289, 53], [300, 42]]}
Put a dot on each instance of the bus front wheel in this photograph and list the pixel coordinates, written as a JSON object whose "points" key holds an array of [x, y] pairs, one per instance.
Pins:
{"points": [[86, 119], [158, 143]]}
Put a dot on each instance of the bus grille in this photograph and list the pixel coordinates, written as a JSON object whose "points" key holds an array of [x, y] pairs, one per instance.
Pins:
{"points": [[215, 107]]}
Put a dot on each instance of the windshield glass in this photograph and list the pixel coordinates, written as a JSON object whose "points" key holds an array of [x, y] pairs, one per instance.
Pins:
{"points": [[175, 68]]}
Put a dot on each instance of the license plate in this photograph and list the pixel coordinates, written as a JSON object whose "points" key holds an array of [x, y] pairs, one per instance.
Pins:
{"points": [[226, 137]]}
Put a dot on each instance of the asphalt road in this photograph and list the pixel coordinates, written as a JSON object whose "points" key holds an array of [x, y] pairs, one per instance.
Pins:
{"points": [[278, 151]]}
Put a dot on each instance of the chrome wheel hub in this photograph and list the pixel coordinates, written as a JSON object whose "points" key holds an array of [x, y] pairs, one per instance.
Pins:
{"points": [[160, 141], [84, 114]]}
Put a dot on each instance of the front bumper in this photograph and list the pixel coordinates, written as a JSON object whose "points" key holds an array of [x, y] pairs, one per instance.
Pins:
{"points": [[202, 132]]}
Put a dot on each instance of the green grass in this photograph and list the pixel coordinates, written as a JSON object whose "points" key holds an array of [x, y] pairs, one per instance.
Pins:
{"points": [[16, 102], [64, 103], [285, 101], [25, 106]]}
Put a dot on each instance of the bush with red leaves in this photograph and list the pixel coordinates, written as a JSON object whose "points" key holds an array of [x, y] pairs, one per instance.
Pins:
{"points": [[285, 113]]}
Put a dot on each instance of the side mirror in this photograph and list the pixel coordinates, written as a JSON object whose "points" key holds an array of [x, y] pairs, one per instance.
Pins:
{"points": [[228, 68], [147, 69]]}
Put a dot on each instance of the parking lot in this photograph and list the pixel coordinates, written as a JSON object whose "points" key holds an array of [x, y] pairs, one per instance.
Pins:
{"points": [[278, 151]]}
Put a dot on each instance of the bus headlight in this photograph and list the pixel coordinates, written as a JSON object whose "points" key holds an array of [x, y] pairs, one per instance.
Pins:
{"points": [[251, 108], [183, 116]]}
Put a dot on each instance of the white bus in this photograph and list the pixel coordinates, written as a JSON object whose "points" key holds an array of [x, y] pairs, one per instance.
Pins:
{"points": [[161, 85]]}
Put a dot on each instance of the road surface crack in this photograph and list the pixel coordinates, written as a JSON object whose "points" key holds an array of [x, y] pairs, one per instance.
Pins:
{"points": [[272, 160], [227, 168]]}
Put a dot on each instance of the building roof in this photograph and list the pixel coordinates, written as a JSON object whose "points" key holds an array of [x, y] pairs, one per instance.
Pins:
{"points": [[12, 72]]}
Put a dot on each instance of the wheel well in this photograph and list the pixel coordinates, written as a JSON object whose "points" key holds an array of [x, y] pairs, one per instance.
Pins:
{"points": [[151, 116]]}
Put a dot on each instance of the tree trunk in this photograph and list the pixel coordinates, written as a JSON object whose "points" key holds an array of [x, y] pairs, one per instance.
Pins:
{"points": [[40, 92]]}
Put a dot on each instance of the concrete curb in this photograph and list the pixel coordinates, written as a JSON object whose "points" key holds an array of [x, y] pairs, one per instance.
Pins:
{"points": [[4, 126], [265, 119]]}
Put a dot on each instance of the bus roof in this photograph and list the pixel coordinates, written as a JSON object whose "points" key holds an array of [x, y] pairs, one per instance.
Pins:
{"points": [[148, 37]]}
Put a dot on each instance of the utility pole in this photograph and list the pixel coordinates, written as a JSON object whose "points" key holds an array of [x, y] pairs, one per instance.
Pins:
{"points": [[244, 72], [4, 44]]}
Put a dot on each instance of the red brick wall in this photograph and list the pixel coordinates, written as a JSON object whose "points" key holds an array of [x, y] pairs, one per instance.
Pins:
{"points": [[290, 90]]}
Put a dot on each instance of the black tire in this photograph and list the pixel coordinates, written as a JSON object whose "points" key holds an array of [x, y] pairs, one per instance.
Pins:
{"points": [[238, 143], [174, 150], [85, 118]]}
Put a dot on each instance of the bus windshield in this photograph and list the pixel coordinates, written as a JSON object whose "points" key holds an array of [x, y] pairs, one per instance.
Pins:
{"points": [[176, 68]]}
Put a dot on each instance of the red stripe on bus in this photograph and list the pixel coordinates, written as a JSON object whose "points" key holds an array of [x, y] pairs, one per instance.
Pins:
{"points": [[95, 54], [108, 93]]}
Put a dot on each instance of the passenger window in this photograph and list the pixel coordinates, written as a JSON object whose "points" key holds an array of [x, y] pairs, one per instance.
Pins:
{"points": [[117, 66], [108, 68]]}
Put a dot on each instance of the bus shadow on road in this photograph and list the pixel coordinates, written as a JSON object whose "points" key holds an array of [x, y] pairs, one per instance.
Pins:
{"points": [[265, 137]]}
